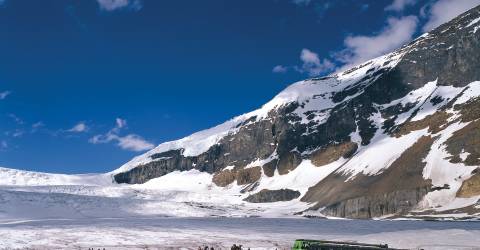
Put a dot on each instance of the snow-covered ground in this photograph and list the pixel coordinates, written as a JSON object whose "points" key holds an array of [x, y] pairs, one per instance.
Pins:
{"points": [[158, 215], [49, 211], [256, 233]]}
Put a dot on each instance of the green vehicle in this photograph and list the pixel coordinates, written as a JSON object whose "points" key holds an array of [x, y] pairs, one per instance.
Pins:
{"points": [[302, 244]]}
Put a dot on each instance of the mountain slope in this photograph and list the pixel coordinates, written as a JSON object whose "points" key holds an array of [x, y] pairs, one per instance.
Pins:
{"points": [[396, 135], [10, 177]]}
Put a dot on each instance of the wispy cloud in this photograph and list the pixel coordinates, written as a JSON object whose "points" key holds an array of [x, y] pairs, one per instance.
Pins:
{"points": [[112, 5], [36, 126], [3, 143], [280, 69], [4, 94], [120, 123], [130, 142], [301, 2], [400, 5], [321, 8], [16, 119], [358, 49], [443, 11], [312, 65], [79, 128], [15, 133], [18, 133], [134, 142]]}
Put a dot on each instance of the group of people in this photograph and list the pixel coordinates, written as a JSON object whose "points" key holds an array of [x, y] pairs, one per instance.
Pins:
{"points": [[234, 247], [205, 248]]}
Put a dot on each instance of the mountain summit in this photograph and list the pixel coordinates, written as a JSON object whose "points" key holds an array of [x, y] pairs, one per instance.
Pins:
{"points": [[398, 135]]}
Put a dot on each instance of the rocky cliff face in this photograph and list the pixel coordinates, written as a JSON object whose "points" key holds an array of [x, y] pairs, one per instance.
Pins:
{"points": [[394, 135]]}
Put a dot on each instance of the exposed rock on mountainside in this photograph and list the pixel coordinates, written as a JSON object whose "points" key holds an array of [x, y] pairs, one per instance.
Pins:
{"points": [[471, 186], [266, 195], [397, 133], [333, 153], [398, 189]]}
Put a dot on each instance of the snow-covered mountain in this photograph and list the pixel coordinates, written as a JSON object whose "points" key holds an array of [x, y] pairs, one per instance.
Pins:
{"points": [[396, 135]]}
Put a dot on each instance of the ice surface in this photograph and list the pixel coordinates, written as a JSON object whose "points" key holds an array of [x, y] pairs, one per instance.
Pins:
{"points": [[256, 233], [10, 176]]}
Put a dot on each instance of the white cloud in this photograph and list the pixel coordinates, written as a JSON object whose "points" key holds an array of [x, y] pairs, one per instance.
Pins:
{"points": [[38, 124], [16, 119], [79, 128], [301, 2], [445, 10], [111, 5], [3, 144], [15, 133], [279, 69], [4, 94], [358, 49], [312, 63], [400, 5], [131, 142], [120, 123], [18, 133], [134, 143]]}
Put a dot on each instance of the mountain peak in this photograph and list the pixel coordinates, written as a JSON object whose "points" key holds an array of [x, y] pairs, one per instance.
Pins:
{"points": [[389, 136]]}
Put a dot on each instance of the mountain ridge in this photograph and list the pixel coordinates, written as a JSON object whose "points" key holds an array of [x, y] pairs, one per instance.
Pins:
{"points": [[392, 116]]}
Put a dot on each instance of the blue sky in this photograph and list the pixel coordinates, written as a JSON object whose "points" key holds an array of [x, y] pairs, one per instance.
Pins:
{"points": [[86, 85]]}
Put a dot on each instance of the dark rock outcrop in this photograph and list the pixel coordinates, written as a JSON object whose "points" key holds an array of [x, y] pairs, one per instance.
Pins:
{"points": [[266, 195]]}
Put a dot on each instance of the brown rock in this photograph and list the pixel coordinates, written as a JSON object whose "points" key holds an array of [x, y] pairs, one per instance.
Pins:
{"points": [[434, 122], [269, 168], [470, 110], [288, 162], [333, 153], [470, 187], [224, 178], [467, 140], [248, 175]]}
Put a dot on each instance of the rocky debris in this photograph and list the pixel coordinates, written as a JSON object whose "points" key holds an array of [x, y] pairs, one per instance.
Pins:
{"points": [[242, 176], [266, 195], [465, 141], [399, 188], [289, 162], [248, 175], [224, 178], [435, 123], [333, 153], [470, 110], [397, 202], [470, 187], [269, 168]]}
